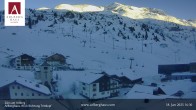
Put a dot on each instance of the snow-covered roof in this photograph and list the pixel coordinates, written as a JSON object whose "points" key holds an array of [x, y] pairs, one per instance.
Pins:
{"points": [[45, 64], [190, 95], [143, 89], [177, 85], [89, 78], [120, 73], [37, 69], [28, 84], [133, 95], [142, 92]]}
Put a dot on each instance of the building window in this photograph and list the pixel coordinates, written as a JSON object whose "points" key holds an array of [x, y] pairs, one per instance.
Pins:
{"points": [[45, 68], [84, 88], [94, 89], [18, 87], [15, 94], [83, 84], [33, 94], [39, 94], [94, 84], [94, 94], [13, 87], [103, 93], [21, 94]]}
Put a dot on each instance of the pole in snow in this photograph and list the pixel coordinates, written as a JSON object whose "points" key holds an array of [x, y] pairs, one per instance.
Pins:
{"points": [[131, 62]]}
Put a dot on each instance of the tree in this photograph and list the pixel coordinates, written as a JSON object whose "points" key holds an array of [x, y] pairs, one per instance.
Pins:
{"points": [[146, 36], [113, 28], [42, 16], [104, 33], [124, 26], [73, 88], [47, 85], [76, 22], [57, 77], [30, 23], [55, 22], [132, 29], [125, 38], [69, 14], [84, 43], [55, 15], [84, 27], [62, 18]]}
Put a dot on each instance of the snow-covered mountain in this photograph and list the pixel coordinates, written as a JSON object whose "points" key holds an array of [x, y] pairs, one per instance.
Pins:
{"points": [[127, 11], [145, 13], [79, 8]]}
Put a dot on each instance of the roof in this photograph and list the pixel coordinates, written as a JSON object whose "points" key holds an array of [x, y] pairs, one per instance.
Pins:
{"points": [[115, 77], [37, 69], [26, 55], [119, 73], [172, 87], [56, 57], [45, 64], [143, 89], [28, 84], [90, 78], [134, 95], [125, 79], [190, 95], [145, 92]]}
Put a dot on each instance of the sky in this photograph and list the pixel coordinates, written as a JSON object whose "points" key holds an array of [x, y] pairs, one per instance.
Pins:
{"points": [[184, 9]]}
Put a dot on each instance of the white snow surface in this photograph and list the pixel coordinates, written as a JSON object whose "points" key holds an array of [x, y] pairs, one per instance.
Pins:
{"points": [[111, 55], [125, 10], [79, 8]]}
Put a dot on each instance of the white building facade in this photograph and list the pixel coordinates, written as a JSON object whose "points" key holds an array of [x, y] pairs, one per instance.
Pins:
{"points": [[101, 87]]}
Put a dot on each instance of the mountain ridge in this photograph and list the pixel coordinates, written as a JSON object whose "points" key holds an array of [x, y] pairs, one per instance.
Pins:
{"points": [[127, 11]]}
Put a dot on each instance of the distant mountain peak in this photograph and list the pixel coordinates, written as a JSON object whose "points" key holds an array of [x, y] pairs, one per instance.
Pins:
{"points": [[158, 11], [125, 10], [43, 8], [79, 8]]}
